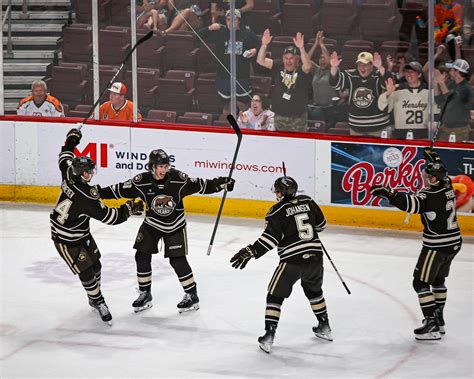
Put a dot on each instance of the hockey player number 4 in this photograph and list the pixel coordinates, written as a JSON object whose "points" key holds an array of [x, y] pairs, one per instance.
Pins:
{"points": [[63, 208], [305, 231]]}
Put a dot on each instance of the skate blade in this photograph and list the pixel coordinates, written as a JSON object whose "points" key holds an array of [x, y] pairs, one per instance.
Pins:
{"points": [[109, 323], [442, 331], [431, 336], [326, 337], [195, 307], [265, 347], [144, 308]]}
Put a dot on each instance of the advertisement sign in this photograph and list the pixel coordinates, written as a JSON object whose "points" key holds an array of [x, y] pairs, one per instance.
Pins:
{"points": [[122, 152], [356, 167]]}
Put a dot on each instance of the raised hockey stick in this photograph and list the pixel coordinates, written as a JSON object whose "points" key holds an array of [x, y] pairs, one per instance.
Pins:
{"points": [[433, 141], [238, 132], [139, 42]]}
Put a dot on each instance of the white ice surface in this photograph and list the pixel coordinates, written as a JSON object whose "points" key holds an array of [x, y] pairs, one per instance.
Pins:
{"points": [[47, 329]]}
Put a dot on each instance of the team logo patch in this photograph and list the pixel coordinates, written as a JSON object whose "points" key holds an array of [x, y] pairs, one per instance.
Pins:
{"points": [[163, 205], [127, 184], [94, 193], [363, 97], [137, 178], [139, 237], [430, 215], [82, 257], [182, 175]]}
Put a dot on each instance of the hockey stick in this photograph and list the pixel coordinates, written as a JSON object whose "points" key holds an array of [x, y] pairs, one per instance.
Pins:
{"points": [[139, 42], [335, 269], [237, 130], [433, 141]]}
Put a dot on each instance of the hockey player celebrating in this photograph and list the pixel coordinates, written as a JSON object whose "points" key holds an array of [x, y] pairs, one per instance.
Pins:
{"points": [[292, 225], [163, 189], [79, 202], [436, 203]]}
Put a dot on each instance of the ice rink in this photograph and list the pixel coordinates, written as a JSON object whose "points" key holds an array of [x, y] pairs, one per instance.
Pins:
{"points": [[48, 330]]}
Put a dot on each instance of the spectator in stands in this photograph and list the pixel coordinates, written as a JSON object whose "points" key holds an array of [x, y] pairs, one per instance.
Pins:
{"points": [[408, 102], [151, 16], [220, 7], [325, 97], [185, 15], [258, 116], [118, 107], [246, 45], [456, 116], [395, 67], [365, 84], [40, 104], [292, 78]]}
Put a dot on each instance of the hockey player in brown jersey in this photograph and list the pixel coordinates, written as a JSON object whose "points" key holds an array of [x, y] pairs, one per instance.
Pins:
{"points": [[436, 203], [79, 202], [163, 189], [292, 226]]}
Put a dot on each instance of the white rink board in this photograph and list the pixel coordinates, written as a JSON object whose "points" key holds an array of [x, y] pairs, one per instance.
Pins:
{"points": [[122, 152], [7, 151]]}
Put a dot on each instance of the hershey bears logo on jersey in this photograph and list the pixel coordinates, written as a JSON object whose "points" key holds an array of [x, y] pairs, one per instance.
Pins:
{"points": [[163, 205], [363, 97]]}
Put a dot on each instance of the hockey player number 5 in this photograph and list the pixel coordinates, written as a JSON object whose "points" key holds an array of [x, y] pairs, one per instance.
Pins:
{"points": [[305, 231], [63, 208]]}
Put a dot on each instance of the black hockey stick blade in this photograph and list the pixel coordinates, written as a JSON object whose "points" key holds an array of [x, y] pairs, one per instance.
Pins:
{"points": [[139, 42], [238, 132]]}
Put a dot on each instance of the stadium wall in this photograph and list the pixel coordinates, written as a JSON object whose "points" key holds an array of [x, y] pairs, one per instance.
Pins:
{"points": [[335, 170]]}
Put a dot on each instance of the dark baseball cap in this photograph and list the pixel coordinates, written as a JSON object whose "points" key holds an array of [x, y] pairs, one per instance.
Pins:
{"points": [[291, 50], [415, 66]]}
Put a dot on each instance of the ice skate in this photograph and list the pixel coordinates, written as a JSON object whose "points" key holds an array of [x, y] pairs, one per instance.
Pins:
{"points": [[103, 310], [440, 320], [429, 330], [190, 302], [143, 301], [323, 330], [266, 341]]}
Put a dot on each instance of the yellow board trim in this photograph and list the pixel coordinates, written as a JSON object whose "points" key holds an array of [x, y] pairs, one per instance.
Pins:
{"points": [[335, 215]]}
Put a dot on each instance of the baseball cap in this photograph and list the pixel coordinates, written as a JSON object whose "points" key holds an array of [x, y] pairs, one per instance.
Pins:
{"points": [[119, 88], [290, 50], [365, 58], [415, 66], [459, 64], [237, 13]]}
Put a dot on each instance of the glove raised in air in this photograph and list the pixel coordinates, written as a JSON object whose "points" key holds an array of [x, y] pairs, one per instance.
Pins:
{"points": [[383, 192], [430, 155], [135, 206], [73, 137], [222, 182]]}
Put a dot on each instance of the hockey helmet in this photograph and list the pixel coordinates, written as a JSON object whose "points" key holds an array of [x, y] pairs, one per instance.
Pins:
{"points": [[80, 165], [286, 185], [156, 158], [437, 170]]}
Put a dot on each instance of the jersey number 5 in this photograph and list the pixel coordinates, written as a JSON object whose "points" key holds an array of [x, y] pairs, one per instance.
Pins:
{"points": [[63, 208], [305, 231]]}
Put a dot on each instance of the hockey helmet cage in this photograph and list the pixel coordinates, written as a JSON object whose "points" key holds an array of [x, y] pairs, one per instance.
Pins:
{"points": [[83, 164], [436, 169], [156, 158], [286, 185]]}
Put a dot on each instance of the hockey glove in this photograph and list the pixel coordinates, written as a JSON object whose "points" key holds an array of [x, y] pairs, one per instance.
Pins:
{"points": [[383, 192], [73, 137], [241, 259], [430, 155], [135, 207], [224, 183]]}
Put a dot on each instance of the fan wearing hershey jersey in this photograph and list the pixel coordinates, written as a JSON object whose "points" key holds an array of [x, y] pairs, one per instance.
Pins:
{"points": [[292, 226], [163, 189], [79, 202], [436, 203]]}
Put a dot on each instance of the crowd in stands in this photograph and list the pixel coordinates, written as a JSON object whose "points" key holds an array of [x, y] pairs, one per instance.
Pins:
{"points": [[299, 67]]}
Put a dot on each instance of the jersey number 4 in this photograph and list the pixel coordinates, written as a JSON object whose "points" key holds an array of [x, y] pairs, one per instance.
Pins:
{"points": [[305, 231], [63, 209]]}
